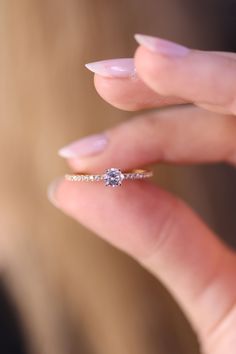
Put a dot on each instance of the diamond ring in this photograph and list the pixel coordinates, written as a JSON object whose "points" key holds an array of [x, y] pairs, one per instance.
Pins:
{"points": [[112, 177]]}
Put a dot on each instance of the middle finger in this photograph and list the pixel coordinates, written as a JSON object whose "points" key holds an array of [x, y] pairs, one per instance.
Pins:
{"points": [[185, 134]]}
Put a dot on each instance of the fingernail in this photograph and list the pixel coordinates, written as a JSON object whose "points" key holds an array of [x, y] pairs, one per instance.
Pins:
{"points": [[120, 68], [161, 46], [84, 147], [52, 190]]}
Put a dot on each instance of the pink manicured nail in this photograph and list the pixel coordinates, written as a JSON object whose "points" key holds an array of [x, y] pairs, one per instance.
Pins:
{"points": [[161, 46], [87, 146], [120, 68]]}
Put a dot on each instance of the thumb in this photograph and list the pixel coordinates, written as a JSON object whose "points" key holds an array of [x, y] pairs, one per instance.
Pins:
{"points": [[167, 238]]}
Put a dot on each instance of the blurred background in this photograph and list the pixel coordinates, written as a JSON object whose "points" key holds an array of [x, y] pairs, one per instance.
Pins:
{"points": [[62, 289]]}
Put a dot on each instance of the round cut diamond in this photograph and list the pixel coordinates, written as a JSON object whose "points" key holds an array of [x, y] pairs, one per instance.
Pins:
{"points": [[113, 177]]}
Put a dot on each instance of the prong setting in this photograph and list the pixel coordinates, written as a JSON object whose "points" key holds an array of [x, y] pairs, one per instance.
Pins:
{"points": [[113, 177]]}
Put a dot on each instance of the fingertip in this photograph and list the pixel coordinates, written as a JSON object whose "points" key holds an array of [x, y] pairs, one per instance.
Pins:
{"points": [[120, 93], [112, 212], [130, 94], [52, 190], [155, 70]]}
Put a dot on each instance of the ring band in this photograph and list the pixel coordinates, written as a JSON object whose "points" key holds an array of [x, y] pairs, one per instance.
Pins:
{"points": [[112, 177]]}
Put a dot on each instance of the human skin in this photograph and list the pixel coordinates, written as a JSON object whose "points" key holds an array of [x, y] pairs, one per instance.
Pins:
{"points": [[156, 228]]}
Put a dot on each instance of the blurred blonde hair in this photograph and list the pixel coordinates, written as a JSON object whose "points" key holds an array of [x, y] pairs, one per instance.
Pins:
{"points": [[74, 293]]}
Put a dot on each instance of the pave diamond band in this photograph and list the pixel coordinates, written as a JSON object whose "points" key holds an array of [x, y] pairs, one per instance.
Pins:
{"points": [[112, 177]]}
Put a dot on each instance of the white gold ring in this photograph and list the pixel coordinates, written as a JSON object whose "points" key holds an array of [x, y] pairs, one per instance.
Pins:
{"points": [[112, 177]]}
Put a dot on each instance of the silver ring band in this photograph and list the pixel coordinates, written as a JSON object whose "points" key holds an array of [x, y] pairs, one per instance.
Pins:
{"points": [[112, 177]]}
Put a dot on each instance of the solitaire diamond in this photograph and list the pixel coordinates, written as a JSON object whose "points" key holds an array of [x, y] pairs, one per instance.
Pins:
{"points": [[113, 177]]}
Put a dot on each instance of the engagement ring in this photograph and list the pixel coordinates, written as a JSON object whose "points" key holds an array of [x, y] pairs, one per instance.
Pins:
{"points": [[112, 177]]}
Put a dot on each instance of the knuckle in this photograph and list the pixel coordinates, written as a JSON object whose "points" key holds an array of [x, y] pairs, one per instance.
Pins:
{"points": [[221, 335], [166, 229]]}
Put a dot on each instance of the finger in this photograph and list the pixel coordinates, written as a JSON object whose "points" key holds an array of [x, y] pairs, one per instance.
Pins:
{"points": [[131, 94], [180, 135], [117, 83], [164, 235], [205, 78]]}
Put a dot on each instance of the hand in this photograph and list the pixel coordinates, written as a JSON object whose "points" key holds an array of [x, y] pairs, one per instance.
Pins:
{"points": [[153, 226]]}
